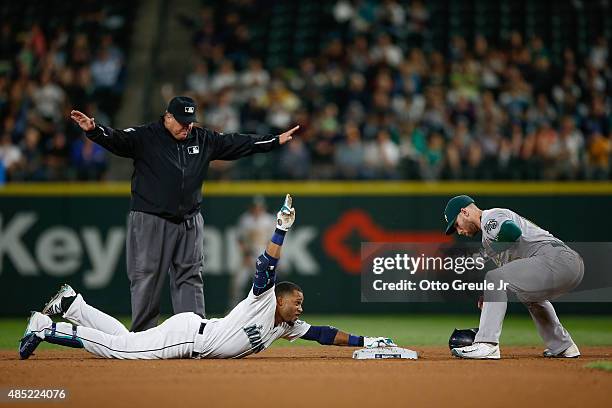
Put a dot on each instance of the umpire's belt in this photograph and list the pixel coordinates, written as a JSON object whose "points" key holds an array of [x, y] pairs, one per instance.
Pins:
{"points": [[198, 342]]}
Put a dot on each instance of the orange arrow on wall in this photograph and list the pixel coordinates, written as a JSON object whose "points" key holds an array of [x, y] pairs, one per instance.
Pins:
{"points": [[360, 222]]}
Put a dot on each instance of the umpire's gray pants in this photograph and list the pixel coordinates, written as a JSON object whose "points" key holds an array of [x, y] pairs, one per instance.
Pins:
{"points": [[549, 273], [156, 246]]}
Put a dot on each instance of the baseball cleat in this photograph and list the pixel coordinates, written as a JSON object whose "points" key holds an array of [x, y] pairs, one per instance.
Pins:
{"points": [[478, 351], [60, 302], [33, 335], [571, 352]]}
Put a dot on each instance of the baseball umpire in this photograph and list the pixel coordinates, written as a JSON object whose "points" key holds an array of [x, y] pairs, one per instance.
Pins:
{"points": [[165, 227], [534, 264]]}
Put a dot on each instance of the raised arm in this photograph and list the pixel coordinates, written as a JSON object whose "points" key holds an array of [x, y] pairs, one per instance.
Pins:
{"points": [[265, 275], [120, 142]]}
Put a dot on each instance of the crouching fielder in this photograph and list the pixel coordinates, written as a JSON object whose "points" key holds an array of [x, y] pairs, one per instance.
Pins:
{"points": [[534, 264], [268, 313]]}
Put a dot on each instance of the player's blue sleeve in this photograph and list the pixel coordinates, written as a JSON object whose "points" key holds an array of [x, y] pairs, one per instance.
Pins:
{"points": [[265, 275], [323, 334]]}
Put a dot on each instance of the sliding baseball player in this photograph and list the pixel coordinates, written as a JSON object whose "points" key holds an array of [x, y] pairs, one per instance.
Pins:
{"points": [[534, 264], [269, 312]]}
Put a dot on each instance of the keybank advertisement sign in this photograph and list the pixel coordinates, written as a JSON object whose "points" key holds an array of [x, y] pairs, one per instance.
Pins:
{"points": [[46, 241], [61, 252]]}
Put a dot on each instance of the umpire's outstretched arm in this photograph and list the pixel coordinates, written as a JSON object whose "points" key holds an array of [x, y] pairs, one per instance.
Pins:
{"points": [[119, 142], [232, 146]]}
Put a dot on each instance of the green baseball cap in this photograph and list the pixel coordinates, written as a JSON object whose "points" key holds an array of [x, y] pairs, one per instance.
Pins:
{"points": [[452, 210]]}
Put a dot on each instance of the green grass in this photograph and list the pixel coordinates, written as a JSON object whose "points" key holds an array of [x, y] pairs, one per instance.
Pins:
{"points": [[415, 330], [428, 330], [600, 365]]}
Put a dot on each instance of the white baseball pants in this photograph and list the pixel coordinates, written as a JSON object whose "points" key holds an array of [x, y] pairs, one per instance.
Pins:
{"points": [[105, 336]]}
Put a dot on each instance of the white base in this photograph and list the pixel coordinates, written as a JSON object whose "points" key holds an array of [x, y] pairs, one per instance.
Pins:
{"points": [[384, 352]]}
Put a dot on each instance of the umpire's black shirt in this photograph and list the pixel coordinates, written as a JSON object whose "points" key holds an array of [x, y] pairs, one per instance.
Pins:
{"points": [[168, 173]]}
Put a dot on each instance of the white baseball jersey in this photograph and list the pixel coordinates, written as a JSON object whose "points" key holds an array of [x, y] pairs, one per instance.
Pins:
{"points": [[255, 231], [248, 328], [532, 236]]}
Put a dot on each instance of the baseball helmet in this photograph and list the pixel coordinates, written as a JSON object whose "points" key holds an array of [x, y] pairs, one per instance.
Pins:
{"points": [[462, 338]]}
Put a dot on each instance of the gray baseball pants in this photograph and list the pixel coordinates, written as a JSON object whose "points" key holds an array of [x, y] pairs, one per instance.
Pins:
{"points": [[552, 271], [156, 247]]}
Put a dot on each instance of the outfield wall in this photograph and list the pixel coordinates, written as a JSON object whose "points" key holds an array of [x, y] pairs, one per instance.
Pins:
{"points": [[75, 233]]}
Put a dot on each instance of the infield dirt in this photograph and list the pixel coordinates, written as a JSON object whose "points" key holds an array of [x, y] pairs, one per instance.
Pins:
{"points": [[316, 376]]}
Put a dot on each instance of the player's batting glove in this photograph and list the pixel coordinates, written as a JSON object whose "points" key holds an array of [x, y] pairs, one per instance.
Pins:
{"points": [[373, 342], [286, 216]]}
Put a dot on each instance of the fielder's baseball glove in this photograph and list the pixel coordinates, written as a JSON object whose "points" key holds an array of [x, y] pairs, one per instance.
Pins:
{"points": [[462, 338]]}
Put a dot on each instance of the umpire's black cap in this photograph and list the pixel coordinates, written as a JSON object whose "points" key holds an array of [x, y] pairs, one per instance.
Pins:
{"points": [[183, 108]]}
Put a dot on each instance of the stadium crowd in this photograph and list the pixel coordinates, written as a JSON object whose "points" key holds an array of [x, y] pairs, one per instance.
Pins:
{"points": [[372, 103], [48, 66]]}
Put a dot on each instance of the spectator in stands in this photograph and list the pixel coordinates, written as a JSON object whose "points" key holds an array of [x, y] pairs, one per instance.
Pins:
{"points": [[571, 149], [419, 18], [253, 81], [32, 154], [11, 157], [541, 111], [385, 51], [381, 157], [89, 160], [457, 150], [566, 95], [597, 120], [547, 150], [105, 73], [49, 99], [358, 53], [57, 157], [295, 161], [599, 53], [328, 135], [225, 77], [223, 116], [198, 81], [598, 156], [473, 169], [280, 103], [81, 51], [349, 154]]}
